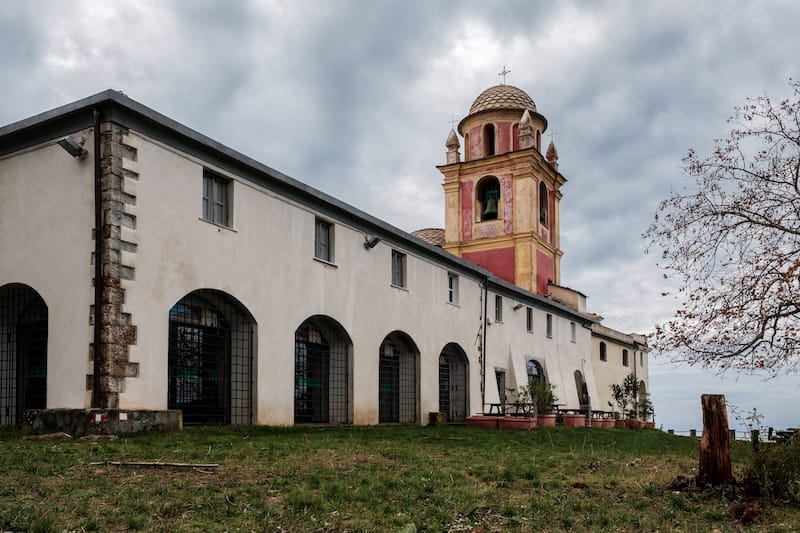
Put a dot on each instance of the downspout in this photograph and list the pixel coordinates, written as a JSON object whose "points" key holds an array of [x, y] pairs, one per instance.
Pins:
{"points": [[483, 342], [636, 377], [98, 263]]}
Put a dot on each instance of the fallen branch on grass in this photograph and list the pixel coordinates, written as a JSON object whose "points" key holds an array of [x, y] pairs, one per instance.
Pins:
{"points": [[156, 464]]}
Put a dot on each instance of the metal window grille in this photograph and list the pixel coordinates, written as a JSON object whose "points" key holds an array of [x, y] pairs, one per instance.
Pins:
{"points": [[23, 352], [453, 383], [210, 359], [498, 308], [500, 376], [398, 269], [549, 325], [529, 319], [397, 380], [216, 206], [323, 240], [322, 375], [534, 370]]}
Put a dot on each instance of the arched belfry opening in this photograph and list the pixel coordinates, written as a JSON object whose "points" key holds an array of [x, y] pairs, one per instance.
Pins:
{"points": [[543, 204], [453, 393], [210, 359], [23, 352], [487, 199], [322, 354], [488, 140], [397, 379]]}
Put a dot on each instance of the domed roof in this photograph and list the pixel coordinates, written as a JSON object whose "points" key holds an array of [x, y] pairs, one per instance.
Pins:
{"points": [[434, 236], [502, 97]]}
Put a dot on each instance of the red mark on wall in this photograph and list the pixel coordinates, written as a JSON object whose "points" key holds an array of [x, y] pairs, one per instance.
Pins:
{"points": [[499, 261], [545, 272], [507, 194], [466, 210], [503, 137]]}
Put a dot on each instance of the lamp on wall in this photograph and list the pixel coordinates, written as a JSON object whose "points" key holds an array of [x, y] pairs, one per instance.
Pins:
{"points": [[73, 147], [371, 241], [517, 307]]}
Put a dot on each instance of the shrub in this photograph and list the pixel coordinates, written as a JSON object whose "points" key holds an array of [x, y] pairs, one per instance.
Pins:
{"points": [[775, 472]]}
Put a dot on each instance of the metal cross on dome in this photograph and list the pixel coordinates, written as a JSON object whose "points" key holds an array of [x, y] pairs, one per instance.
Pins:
{"points": [[503, 73]]}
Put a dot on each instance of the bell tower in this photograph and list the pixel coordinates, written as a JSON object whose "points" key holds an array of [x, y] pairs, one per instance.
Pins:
{"points": [[502, 200]]}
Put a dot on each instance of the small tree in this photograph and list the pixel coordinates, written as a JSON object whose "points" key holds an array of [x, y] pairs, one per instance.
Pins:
{"points": [[538, 393], [732, 238], [626, 394]]}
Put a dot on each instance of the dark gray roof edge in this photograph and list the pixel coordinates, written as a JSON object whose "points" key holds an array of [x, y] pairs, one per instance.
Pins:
{"points": [[111, 101], [503, 286]]}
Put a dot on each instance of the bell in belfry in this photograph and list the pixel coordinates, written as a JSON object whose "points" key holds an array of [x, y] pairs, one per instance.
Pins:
{"points": [[490, 200]]}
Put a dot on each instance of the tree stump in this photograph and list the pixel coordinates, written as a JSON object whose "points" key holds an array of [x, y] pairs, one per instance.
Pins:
{"points": [[715, 445]]}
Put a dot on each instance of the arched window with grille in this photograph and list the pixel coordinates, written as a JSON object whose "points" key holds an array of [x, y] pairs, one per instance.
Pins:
{"points": [[210, 359], [23, 352]]}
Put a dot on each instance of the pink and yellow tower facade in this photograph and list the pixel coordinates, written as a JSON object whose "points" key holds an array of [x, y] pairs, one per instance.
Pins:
{"points": [[502, 199]]}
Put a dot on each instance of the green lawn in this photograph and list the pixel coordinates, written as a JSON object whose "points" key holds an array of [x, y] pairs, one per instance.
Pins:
{"points": [[367, 479]]}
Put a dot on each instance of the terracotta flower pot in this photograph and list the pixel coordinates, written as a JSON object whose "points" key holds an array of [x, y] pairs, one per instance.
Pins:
{"points": [[619, 423], [633, 424], [516, 422], [483, 421], [546, 420], [609, 423], [575, 421]]}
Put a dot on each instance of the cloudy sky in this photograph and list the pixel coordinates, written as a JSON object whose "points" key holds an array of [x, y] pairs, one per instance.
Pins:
{"points": [[356, 98]]}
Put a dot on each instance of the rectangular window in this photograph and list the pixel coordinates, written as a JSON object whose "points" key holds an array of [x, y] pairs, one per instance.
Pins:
{"points": [[500, 376], [603, 355], [323, 240], [572, 334], [549, 326], [452, 289], [216, 199], [529, 319], [641, 359], [398, 269], [624, 357], [498, 308]]}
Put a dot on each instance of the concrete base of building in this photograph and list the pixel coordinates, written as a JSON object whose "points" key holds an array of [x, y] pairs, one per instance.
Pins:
{"points": [[80, 422]]}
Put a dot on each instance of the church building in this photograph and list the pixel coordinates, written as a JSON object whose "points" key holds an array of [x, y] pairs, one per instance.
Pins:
{"points": [[149, 273]]}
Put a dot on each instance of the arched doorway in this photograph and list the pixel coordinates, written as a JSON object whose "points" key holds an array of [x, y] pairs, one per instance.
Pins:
{"points": [[397, 379], [453, 372], [583, 390], [321, 372], [23, 352], [210, 359]]}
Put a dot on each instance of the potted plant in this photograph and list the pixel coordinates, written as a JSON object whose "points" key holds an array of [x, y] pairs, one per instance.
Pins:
{"points": [[625, 396], [543, 400], [520, 413], [574, 420]]}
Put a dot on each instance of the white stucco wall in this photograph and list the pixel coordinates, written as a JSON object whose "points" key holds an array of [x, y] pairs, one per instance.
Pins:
{"points": [[265, 260], [510, 346], [46, 220], [612, 371]]}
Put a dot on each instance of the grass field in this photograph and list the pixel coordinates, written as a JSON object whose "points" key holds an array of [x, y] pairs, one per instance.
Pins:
{"points": [[367, 479]]}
